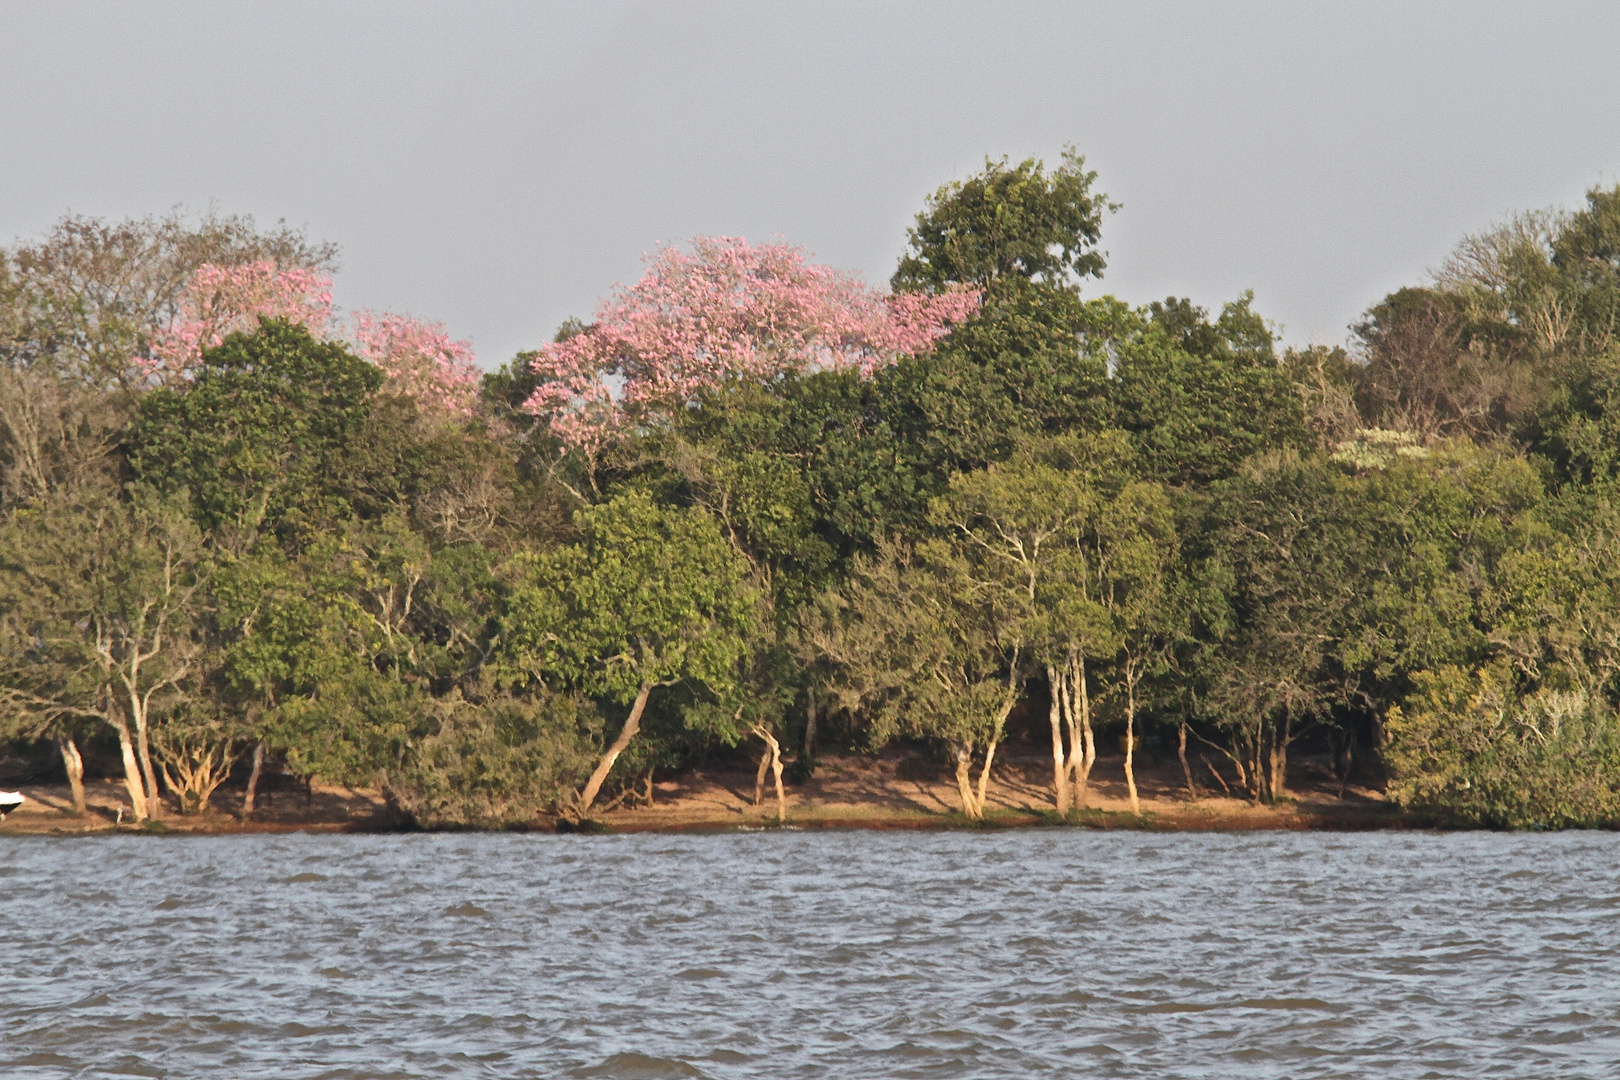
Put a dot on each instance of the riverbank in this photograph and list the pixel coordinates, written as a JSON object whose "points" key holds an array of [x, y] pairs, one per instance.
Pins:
{"points": [[890, 792], [898, 792]]}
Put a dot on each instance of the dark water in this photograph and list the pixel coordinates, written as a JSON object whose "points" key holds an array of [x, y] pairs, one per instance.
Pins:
{"points": [[1020, 954]]}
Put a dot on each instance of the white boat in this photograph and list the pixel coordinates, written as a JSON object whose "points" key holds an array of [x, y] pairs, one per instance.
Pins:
{"points": [[9, 801]]}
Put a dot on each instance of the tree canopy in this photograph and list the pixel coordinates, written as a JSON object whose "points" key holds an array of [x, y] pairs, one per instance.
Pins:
{"points": [[755, 505]]}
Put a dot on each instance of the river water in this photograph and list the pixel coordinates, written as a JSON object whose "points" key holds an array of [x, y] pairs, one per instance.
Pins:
{"points": [[790, 954]]}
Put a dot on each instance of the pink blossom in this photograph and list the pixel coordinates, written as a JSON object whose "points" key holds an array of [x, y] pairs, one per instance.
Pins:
{"points": [[725, 311], [220, 300], [420, 360]]}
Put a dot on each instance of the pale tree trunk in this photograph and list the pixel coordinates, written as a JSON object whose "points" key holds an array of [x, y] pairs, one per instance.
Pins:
{"points": [[132, 768], [759, 776], [251, 796], [1181, 750], [1007, 704], [73, 765], [776, 772], [773, 758], [984, 773], [1130, 743], [964, 782], [593, 786], [143, 745], [1060, 779], [1082, 741]]}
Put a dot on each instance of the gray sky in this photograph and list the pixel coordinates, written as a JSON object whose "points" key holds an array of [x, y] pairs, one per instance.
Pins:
{"points": [[500, 166]]}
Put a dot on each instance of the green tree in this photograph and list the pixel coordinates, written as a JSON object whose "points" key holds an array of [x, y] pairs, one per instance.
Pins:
{"points": [[1027, 529], [649, 596], [919, 644], [1196, 397], [497, 759], [257, 436], [102, 596], [1008, 221], [1025, 238], [1136, 555]]}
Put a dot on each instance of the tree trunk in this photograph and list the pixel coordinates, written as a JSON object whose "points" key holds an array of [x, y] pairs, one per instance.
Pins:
{"points": [[143, 746], [773, 758], [1060, 778], [132, 769], [759, 777], [984, 773], [1279, 755], [964, 784], [812, 713], [1181, 749], [632, 724], [1130, 745], [73, 765], [1082, 741], [1254, 752], [251, 796]]}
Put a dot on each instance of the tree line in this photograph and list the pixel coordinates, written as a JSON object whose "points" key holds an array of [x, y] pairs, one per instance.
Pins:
{"points": [[755, 503]]}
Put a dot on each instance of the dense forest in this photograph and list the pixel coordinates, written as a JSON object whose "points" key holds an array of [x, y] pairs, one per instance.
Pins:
{"points": [[756, 507]]}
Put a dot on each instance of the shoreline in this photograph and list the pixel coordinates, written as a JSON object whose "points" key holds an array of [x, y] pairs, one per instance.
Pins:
{"points": [[888, 793]]}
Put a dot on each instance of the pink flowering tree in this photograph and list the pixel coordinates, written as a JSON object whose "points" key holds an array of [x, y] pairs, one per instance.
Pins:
{"points": [[421, 361], [418, 358], [220, 300], [726, 310]]}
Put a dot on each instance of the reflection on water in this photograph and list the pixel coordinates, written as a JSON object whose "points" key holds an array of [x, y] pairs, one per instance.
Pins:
{"points": [[826, 954]]}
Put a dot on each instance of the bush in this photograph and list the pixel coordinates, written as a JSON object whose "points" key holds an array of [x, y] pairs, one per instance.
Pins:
{"points": [[1472, 747], [502, 761]]}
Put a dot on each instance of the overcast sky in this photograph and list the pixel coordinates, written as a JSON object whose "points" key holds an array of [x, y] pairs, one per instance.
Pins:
{"points": [[501, 166]]}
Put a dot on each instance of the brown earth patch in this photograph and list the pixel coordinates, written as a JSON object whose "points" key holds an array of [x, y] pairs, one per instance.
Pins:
{"points": [[896, 790]]}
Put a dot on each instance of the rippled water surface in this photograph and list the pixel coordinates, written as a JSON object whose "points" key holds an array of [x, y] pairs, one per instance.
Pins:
{"points": [[1006, 954]]}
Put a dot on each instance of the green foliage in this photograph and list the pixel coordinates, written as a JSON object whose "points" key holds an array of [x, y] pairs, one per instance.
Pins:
{"points": [[866, 479], [1199, 398], [256, 436], [1415, 539], [1008, 221], [918, 648], [358, 726], [1471, 745], [648, 596], [1016, 368], [101, 591], [735, 458], [1586, 253], [1577, 427], [500, 761]]}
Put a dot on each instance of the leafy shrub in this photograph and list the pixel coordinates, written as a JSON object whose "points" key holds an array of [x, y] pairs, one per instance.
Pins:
{"points": [[1471, 746], [501, 761]]}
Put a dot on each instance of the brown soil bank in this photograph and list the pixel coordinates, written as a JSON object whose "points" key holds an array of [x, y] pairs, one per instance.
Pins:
{"points": [[895, 792], [889, 792]]}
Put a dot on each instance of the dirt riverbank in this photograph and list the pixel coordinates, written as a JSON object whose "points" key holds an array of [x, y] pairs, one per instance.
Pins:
{"points": [[889, 792]]}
